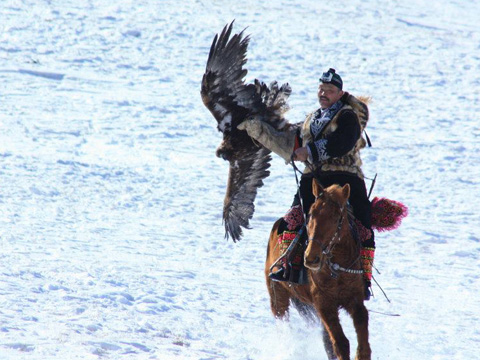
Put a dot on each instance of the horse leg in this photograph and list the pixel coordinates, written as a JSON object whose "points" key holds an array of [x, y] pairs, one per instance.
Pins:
{"points": [[331, 321], [359, 315], [279, 295], [327, 344], [279, 299]]}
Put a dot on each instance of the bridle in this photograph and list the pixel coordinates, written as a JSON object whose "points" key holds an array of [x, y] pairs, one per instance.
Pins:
{"points": [[327, 250]]}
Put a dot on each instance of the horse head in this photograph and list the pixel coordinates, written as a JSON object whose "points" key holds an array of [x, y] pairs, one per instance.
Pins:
{"points": [[326, 220]]}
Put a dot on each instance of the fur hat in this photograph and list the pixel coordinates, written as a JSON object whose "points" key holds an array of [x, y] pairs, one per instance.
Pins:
{"points": [[330, 77]]}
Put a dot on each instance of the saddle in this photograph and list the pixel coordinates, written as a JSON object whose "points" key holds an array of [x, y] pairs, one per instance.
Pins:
{"points": [[291, 239], [386, 215]]}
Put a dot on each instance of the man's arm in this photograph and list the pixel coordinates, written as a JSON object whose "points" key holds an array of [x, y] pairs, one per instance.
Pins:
{"points": [[281, 142]]}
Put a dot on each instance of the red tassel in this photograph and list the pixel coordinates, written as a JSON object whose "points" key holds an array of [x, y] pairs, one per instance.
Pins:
{"points": [[367, 255], [387, 214]]}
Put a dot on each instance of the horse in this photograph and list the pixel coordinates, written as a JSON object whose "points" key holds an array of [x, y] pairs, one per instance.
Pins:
{"points": [[335, 280]]}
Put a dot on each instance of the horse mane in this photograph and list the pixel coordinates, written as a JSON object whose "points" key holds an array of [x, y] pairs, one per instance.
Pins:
{"points": [[354, 232], [352, 221]]}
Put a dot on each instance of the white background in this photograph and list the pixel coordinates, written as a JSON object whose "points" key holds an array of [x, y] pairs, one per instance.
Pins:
{"points": [[111, 237]]}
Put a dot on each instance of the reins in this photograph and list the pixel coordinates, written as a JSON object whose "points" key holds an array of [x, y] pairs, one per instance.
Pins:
{"points": [[295, 171], [295, 241]]}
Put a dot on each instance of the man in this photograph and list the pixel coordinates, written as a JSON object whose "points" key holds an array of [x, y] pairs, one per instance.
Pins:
{"points": [[330, 140]]}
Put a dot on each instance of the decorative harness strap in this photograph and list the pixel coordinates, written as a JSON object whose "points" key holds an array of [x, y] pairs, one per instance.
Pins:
{"points": [[335, 268]]}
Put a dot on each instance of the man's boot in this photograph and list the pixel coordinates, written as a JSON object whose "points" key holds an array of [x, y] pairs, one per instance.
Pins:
{"points": [[367, 254], [298, 271], [281, 272], [292, 268]]}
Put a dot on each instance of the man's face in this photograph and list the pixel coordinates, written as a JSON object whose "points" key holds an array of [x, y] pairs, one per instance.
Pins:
{"points": [[328, 95]]}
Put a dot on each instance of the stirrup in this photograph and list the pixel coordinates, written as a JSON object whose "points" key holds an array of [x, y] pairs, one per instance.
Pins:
{"points": [[278, 275], [299, 277]]}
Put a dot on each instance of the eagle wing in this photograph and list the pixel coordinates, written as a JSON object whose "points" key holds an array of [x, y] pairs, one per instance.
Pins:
{"points": [[224, 91], [230, 101], [244, 178]]}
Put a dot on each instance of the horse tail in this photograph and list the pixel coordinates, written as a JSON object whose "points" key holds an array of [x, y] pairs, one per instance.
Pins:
{"points": [[387, 214], [306, 311]]}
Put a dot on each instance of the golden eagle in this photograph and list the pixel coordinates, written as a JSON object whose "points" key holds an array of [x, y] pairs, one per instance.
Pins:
{"points": [[231, 101]]}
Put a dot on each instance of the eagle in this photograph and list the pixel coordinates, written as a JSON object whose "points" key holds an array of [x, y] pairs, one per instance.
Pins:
{"points": [[231, 101]]}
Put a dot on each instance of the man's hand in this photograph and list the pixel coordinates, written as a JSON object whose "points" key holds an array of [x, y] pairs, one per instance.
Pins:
{"points": [[301, 154]]}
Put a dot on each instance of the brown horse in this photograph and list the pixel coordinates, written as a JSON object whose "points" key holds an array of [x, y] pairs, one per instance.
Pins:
{"points": [[335, 276]]}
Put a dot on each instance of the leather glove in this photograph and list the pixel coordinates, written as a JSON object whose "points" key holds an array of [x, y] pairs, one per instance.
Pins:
{"points": [[253, 127]]}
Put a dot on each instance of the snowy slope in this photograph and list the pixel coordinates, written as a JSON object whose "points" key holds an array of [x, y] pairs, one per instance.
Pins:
{"points": [[110, 205]]}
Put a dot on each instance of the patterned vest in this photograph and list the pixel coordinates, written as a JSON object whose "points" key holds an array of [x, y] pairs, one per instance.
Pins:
{"points": [[350, 162]]}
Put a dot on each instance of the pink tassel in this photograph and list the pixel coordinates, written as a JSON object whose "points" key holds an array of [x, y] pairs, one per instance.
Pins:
{"points": [[387, 214]]}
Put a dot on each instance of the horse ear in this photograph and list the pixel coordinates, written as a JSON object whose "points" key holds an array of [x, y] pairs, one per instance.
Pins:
{"points": [[316, 188], [346, 191]]}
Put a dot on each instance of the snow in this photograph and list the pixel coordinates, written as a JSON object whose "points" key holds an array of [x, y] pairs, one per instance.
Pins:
{"points": [[111, 200]]}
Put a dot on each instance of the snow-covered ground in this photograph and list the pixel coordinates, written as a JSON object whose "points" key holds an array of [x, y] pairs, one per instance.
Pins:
{"points": [[111, 196]]}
